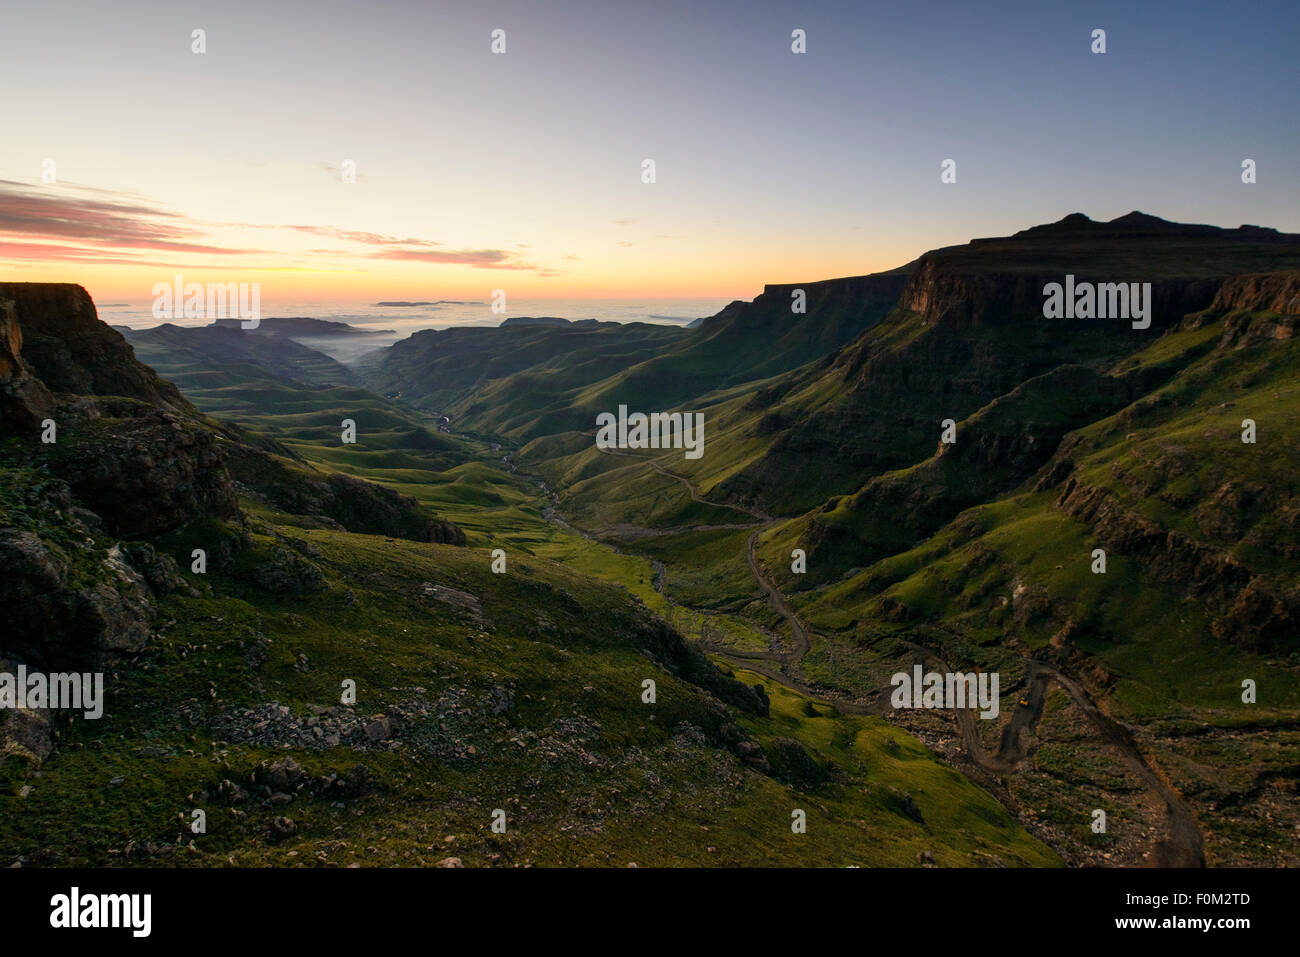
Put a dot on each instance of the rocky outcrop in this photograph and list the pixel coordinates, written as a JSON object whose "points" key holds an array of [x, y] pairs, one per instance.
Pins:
{"points": [[130, 459], [1248, 610], [286, 573], [66, 611], [71, 351], [1255, 308], [126, 442], [24, 399], [145, 470], [373, 509], [69, 598], [26, 734], [1276, 292]]}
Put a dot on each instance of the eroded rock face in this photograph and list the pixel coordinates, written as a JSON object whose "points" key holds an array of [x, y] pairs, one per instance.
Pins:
{"points": [[287, 573], [131, 448], [1248, 610], [71, 351], [26, 734], [945, 293], [1277, 292], [144, 470], [24, 399], [59, 611]]}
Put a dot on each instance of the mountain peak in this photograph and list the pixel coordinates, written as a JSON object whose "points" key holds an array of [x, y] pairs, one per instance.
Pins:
{"points": [[1141, 219]]}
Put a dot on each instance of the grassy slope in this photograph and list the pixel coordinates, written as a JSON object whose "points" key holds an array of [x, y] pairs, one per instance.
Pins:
{"points": [[601, 777], [1008, 577], [634, 784], [1016, 573]]}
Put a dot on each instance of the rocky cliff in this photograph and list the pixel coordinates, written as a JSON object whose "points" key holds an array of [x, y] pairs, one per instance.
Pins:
{"points": [[126, 442], [969, 328]]}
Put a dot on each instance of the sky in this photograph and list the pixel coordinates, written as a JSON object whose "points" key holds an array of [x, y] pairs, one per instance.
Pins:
{"points": [[523, 171]]}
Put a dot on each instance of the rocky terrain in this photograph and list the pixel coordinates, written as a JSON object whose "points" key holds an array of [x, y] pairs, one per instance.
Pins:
{"points": [[130, 461]]}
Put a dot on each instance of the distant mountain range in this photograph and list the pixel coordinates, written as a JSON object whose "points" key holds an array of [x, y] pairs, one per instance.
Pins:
{"points": [[304, 327], [436, 302]]}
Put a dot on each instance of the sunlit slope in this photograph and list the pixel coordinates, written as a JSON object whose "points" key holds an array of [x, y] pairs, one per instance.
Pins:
{"points": [[1199, 589], [475, 691], [435, 370], [211, 357], [527, 382], [1171, 459]]}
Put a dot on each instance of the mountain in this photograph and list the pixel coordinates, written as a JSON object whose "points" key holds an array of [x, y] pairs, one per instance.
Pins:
{"points": [[208, 357], [968, 328], [921, 470], [434, 369], [527, 388], [300, 327], [535, 321], [1070, 435]]}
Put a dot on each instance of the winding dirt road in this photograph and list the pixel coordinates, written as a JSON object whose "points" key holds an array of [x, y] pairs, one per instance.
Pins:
{"points": [[1181, 845]]}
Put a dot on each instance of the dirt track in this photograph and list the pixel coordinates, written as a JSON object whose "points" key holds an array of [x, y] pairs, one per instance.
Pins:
{"points": [[1182, 844]]}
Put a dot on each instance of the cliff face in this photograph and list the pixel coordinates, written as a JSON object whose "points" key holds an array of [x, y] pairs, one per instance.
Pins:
{"points": [[71, 351], [1277, 292], [24, 399], [126, 442], [969, 328], [1002, 279], [838, 311], [941, 293], [754, 340]]}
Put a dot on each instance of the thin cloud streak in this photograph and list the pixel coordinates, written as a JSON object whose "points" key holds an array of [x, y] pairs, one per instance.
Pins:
{"points": [[80, 228]]}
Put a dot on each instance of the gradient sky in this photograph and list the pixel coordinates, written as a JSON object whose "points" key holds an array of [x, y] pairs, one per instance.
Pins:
{"points": [[522, 171]]}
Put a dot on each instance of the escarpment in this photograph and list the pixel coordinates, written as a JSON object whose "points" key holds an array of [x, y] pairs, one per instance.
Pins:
{"points": [[970, 327], [1277, 292], [130, 447]]}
